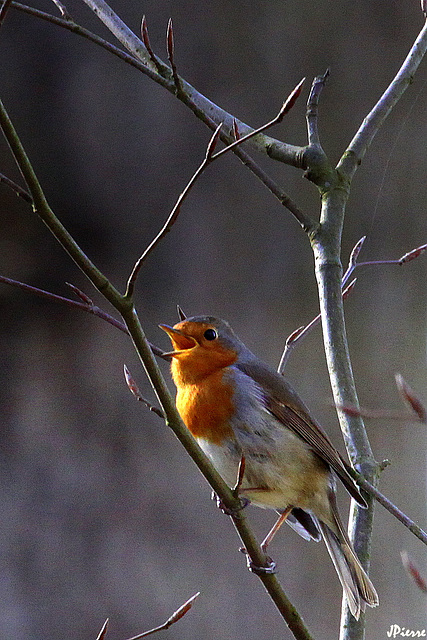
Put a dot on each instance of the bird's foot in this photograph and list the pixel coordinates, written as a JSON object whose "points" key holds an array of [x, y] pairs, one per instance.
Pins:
{"points": [[269, 568], [230, 512]]}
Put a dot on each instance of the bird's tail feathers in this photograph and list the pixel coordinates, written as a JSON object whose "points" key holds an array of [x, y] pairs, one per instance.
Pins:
{"points": [[356, 584]]}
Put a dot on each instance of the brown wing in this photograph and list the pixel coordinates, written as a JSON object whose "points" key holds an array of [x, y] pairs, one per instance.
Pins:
{"points": [[284, 403]]}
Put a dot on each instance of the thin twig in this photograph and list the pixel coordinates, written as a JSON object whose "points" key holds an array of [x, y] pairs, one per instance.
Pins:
{"points": [[63, 10], [173, 216], [355, 152], [134, 389], [177, 615], [101, 634], [16, 188], [353, 264], [410, 398], [171, 57], [285, 108], [4, 9], [147, 44], [302, 332], [387, 504], [377, 414], [83, 306], [413, 572]]}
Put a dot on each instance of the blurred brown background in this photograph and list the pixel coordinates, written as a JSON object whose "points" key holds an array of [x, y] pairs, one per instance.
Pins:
{"points": [[103, 513]]}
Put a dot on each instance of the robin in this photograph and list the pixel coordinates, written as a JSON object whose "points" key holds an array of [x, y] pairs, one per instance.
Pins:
{"points": [[239, 409]]}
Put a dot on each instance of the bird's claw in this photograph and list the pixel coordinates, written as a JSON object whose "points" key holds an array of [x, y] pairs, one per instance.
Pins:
{"points": [[270, 567], [230, 512]]}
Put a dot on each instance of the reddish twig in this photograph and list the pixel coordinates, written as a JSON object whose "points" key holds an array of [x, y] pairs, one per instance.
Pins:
{"points": [[170, 45], [146, 40], [177, 615], [134, 389], [410, 398], [303, 331], [285, 108], [413, 571], [353, 264], [373, 414], [83, 306]]}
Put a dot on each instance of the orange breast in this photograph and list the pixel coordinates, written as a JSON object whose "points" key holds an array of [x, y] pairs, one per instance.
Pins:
{"points": [[206, 407]]}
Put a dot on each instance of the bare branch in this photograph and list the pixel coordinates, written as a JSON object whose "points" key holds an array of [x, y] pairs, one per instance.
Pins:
{"points": [[150, 70], [196, 102], [199, 104]]}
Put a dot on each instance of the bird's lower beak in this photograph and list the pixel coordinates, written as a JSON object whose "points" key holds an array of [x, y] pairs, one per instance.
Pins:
{"points": [[180, 341]]}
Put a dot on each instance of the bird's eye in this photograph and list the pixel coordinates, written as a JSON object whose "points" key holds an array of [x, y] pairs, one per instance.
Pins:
{"points": [[210, 334]]}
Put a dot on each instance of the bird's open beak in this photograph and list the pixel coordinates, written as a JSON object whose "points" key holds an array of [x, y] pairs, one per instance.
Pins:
{"points": [[180, 341]]}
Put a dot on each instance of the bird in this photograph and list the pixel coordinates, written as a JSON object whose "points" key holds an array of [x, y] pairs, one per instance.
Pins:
{"points": [[240, 410]]}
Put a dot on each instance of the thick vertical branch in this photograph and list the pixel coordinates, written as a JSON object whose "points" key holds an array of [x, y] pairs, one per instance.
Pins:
{"points": [[326, 247]]}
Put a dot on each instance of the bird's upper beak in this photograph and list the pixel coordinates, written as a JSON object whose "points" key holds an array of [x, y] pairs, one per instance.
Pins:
{"points": [[180, 341]]}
